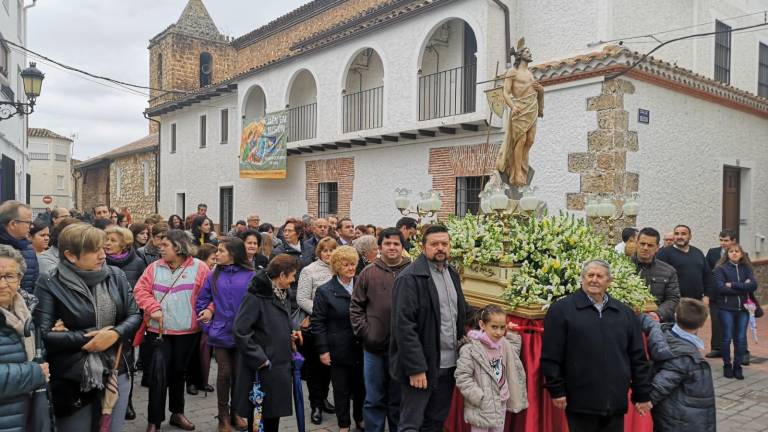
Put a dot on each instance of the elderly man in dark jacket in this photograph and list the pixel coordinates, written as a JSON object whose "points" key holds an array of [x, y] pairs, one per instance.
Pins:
{"points": [[428, 314], [15, 221], [592, 350], [660, 277], [682, 391]]}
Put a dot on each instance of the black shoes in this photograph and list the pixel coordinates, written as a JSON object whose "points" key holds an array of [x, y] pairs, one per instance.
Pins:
{"points": [[727, 371], [328, 407], [317, 416], [745, 360], [737, 373], [192, 390], [715, 353], [208, 388], [130, 413]]}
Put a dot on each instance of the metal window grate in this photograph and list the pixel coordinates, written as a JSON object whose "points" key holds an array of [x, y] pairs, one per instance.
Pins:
{"points": [[762, 72], [723, 52], [226, 206], [39, 156], [61, 157], [363, 110], [327, 199], [467, 194], [173, 138], [447, 93], [302, 122]]}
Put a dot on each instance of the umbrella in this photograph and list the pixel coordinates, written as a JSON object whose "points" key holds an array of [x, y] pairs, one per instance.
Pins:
{"points": [[111, 394], [750, 306], [298, 391], [42, 417], [256, 396], [157, 381]]}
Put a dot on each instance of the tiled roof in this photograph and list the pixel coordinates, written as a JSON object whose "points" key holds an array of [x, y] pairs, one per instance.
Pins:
{"points": [[148, 143], [281, 23], [45, 133], [617, 58], [194, 21]]}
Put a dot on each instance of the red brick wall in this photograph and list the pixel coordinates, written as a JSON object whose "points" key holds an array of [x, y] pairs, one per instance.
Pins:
{"points": [[340, 170], [447, 163]]}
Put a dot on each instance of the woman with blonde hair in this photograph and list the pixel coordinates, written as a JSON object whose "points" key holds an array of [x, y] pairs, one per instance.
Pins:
{"points": [[335, 340], [86, 312], [318, 374]]}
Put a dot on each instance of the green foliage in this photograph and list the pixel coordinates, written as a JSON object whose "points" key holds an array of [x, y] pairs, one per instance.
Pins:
{"points": [[549, 251]]}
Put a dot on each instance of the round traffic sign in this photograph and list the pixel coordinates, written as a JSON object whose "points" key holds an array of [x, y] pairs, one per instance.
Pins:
{"points": [[47, 199]]}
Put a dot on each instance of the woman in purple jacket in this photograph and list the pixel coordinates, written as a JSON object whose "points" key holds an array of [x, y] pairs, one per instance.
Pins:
{"points": [[217, 305]]}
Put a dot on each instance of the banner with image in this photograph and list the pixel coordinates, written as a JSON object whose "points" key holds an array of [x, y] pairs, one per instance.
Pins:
{"points": [[263, 147]]}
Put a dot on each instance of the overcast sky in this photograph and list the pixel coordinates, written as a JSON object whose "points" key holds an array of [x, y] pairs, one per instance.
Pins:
{"points": [[110, 38]]}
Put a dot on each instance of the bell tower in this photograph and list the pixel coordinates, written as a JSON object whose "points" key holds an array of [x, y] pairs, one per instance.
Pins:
{"points": [[188, 55]]}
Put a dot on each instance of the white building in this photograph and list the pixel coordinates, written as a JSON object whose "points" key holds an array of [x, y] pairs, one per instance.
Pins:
{"points": [[14, 179], [50, 168], [385, 97]]}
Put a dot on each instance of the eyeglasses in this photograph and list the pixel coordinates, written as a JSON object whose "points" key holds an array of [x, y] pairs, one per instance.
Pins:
{"points": [[23, 221], [9, 278]]}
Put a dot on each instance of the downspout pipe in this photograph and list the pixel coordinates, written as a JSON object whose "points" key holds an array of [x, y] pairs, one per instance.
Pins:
{"points": [[507, 31], [157, 160]]}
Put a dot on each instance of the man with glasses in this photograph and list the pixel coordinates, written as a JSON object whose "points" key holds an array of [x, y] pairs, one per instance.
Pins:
{"points": [[15, 221], [58, 215], [253, 221]]}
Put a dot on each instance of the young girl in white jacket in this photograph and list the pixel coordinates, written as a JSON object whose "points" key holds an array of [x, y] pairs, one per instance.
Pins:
{"points": [[489, 372]]}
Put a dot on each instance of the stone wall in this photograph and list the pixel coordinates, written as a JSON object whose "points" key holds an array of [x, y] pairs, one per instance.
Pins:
{"points": [[761, 274], [138, 199], [447, 163], [92, 187], [340, 170], [603, 167]]}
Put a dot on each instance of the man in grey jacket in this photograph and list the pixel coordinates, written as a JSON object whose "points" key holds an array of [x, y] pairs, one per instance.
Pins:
{"points": [[660, 277]]}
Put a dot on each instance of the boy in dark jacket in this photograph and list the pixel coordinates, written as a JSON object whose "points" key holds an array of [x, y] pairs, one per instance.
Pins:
{"points": [[682, 391]]}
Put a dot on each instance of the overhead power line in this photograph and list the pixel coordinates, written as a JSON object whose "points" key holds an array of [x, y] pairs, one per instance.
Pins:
{"points": [[646, 55]]}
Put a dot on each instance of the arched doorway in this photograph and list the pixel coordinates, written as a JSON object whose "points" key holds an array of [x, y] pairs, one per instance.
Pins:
{"points": [[302, 107], [363, 94]]}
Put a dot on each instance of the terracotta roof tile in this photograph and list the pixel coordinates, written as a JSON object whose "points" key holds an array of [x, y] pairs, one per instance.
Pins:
{"points": [[148, 143], [45, 133]]}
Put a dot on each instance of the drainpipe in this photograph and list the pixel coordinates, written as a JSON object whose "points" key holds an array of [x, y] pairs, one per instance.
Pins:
{"points": [[507, 33], [157, 160]]}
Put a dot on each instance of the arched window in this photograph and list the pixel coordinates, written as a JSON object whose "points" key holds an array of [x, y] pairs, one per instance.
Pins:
{"points": [[160, 71], [206, 69]]}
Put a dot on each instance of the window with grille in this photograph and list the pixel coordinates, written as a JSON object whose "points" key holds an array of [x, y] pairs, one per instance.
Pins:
{"points": [[226, 198], [762, 72], [5, 59], [327, 199], [224, 126], [173, 138], [722, 52], [467, 194], [203, 127], [60, 182]]}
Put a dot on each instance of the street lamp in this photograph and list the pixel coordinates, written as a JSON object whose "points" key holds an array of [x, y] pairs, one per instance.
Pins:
{"points": [[603, 211], [428, 205], [33, 82]]}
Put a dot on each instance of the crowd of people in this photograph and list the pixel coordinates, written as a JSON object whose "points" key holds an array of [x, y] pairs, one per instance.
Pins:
{"points": [[85, 294]]}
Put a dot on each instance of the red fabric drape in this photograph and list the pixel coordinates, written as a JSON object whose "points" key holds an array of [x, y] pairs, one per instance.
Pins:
{"points": [[541, 415]]}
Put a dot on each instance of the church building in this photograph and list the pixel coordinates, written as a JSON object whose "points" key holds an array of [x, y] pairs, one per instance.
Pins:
{"points": [[390, 94]]}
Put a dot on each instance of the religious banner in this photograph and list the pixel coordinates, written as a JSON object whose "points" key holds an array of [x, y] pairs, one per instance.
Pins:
{"points": [[263, 147]]}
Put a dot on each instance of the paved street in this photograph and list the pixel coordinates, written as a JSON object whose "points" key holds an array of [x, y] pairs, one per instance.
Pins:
{"points": [[742, 406]]}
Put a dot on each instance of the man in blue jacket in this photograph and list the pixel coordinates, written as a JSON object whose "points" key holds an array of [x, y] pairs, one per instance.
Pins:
{"points": [[592, 353], [15, 221]]}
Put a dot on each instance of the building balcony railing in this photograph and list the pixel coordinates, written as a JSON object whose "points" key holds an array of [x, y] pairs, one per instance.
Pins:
{"points": [[363, 110], [447, 93], [302, 122], [39, 156]]}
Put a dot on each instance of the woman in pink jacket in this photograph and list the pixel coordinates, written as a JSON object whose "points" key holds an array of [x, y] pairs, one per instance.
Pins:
{"points": [[167, 292]]}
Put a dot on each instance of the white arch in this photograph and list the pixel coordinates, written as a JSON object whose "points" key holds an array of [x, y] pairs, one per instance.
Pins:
{"points": [[476, 30], [292, 82], [251, 112]]}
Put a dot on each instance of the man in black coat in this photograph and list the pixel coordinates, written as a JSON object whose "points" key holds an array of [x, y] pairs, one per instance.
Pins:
{"points": [[592, 352], [15, 221], [727, 239], [660, 277], [428, 314]]}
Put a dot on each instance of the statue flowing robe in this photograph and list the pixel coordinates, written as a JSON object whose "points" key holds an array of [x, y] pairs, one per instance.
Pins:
{"points": [[518, 126]]}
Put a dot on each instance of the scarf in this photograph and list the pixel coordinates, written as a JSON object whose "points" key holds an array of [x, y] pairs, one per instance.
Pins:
{"points": [[280, 293], [94, 286], [17, 317], [494, 355], [120, 256]]}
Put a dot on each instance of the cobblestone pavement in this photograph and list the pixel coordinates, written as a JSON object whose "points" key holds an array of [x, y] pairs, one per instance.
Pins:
{"points": [[742, 406]]}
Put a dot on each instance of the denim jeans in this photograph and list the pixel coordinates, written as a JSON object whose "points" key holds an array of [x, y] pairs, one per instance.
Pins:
{"points": [[734, 324], [382, 394]]}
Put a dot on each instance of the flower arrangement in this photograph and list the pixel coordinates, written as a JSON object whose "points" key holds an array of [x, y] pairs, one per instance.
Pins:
{"points": [[548, 253]]}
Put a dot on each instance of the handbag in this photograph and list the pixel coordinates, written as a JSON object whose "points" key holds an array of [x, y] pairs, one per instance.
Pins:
{"points": [[138, 338], [299, 319], [758, 310]]}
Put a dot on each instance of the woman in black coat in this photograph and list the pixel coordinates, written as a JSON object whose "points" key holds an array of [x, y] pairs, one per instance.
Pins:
{"points": [[86, 311], [264, 339], [335, 340]]}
